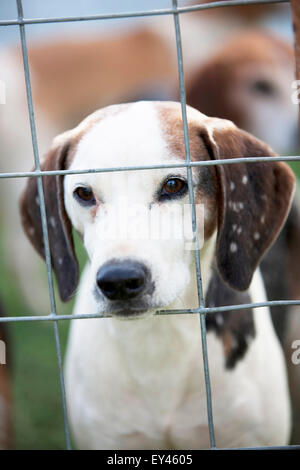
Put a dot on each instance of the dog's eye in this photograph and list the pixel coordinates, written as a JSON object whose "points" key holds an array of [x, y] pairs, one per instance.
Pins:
{"points": [[84, 195], [173, 187], [263, 87]]}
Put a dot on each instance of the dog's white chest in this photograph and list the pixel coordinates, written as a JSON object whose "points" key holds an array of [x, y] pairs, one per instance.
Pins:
{"points": [[141, 385], [132, 390]]}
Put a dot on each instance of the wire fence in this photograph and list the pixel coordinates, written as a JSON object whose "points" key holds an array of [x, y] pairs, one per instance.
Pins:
{"points": [[201, 310]]}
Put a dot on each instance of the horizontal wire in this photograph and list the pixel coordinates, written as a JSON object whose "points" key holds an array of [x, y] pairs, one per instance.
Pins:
{"points": [[191, 311], [134, 14], [228, 161]]}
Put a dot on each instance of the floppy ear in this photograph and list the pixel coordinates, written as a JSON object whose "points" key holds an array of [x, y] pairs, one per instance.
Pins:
{"points": [[254, 200], [64, 262]]}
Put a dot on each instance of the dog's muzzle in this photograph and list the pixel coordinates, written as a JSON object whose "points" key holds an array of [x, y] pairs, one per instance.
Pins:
{"points": [[123, 280]]}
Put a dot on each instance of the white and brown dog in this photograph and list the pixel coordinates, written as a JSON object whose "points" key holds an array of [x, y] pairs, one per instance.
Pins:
{"points": [[139, 384], [249, 81]]}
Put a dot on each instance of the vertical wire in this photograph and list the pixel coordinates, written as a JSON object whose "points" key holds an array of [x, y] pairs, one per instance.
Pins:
{"points": [[194, 226], [43, 217]]}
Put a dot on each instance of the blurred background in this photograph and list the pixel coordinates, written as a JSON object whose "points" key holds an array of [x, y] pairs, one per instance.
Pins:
{"points": [[37, 412]]}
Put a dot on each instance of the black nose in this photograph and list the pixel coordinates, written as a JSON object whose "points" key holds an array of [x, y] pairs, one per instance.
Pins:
{"points": [[122, 280]]}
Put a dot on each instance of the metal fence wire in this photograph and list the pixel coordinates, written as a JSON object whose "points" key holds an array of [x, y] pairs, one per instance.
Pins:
{"points": [[201, 310]]}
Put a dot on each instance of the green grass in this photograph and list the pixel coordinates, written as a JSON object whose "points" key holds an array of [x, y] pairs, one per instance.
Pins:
{"points": [[38, 420], [38, 417], [296, 168]]}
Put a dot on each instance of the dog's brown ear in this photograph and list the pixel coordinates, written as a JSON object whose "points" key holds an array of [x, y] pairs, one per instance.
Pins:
{"points": [[64, 262], [254, 200]]}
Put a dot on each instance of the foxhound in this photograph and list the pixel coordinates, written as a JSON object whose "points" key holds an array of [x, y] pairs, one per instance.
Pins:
{"points": [[135, 380], [248, 80]]}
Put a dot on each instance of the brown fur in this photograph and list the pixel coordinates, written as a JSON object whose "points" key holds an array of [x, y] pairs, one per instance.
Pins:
{"points": [[171, 122], [63, 257], [270, 198], [210, 89], [267, 199], [115, 67]]}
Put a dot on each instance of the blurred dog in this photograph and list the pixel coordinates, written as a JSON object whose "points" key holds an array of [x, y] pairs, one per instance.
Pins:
{"points": [[139, 384], [249, 81]]}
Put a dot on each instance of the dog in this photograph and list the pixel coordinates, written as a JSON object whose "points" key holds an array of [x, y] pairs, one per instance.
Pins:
{"points": [[135, 380], [249, 81]]}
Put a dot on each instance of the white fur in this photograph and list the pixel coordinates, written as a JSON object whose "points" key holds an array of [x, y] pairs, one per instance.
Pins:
{"points": [[126, 147], [271, 119], [140, 383]]}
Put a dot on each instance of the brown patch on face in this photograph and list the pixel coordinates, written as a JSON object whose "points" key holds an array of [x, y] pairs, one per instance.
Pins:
{"points": [[207, 189]]}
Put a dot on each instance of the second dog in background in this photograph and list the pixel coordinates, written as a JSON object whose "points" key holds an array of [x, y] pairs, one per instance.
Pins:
{"points": [[249, 81]]}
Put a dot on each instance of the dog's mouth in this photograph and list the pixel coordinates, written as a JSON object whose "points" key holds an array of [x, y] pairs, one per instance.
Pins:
{"points": [[130, 313], [134, 308]]}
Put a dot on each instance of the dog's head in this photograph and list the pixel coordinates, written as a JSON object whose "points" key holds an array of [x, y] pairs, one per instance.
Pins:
{"points": [[126, 218], [249, 81]]}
